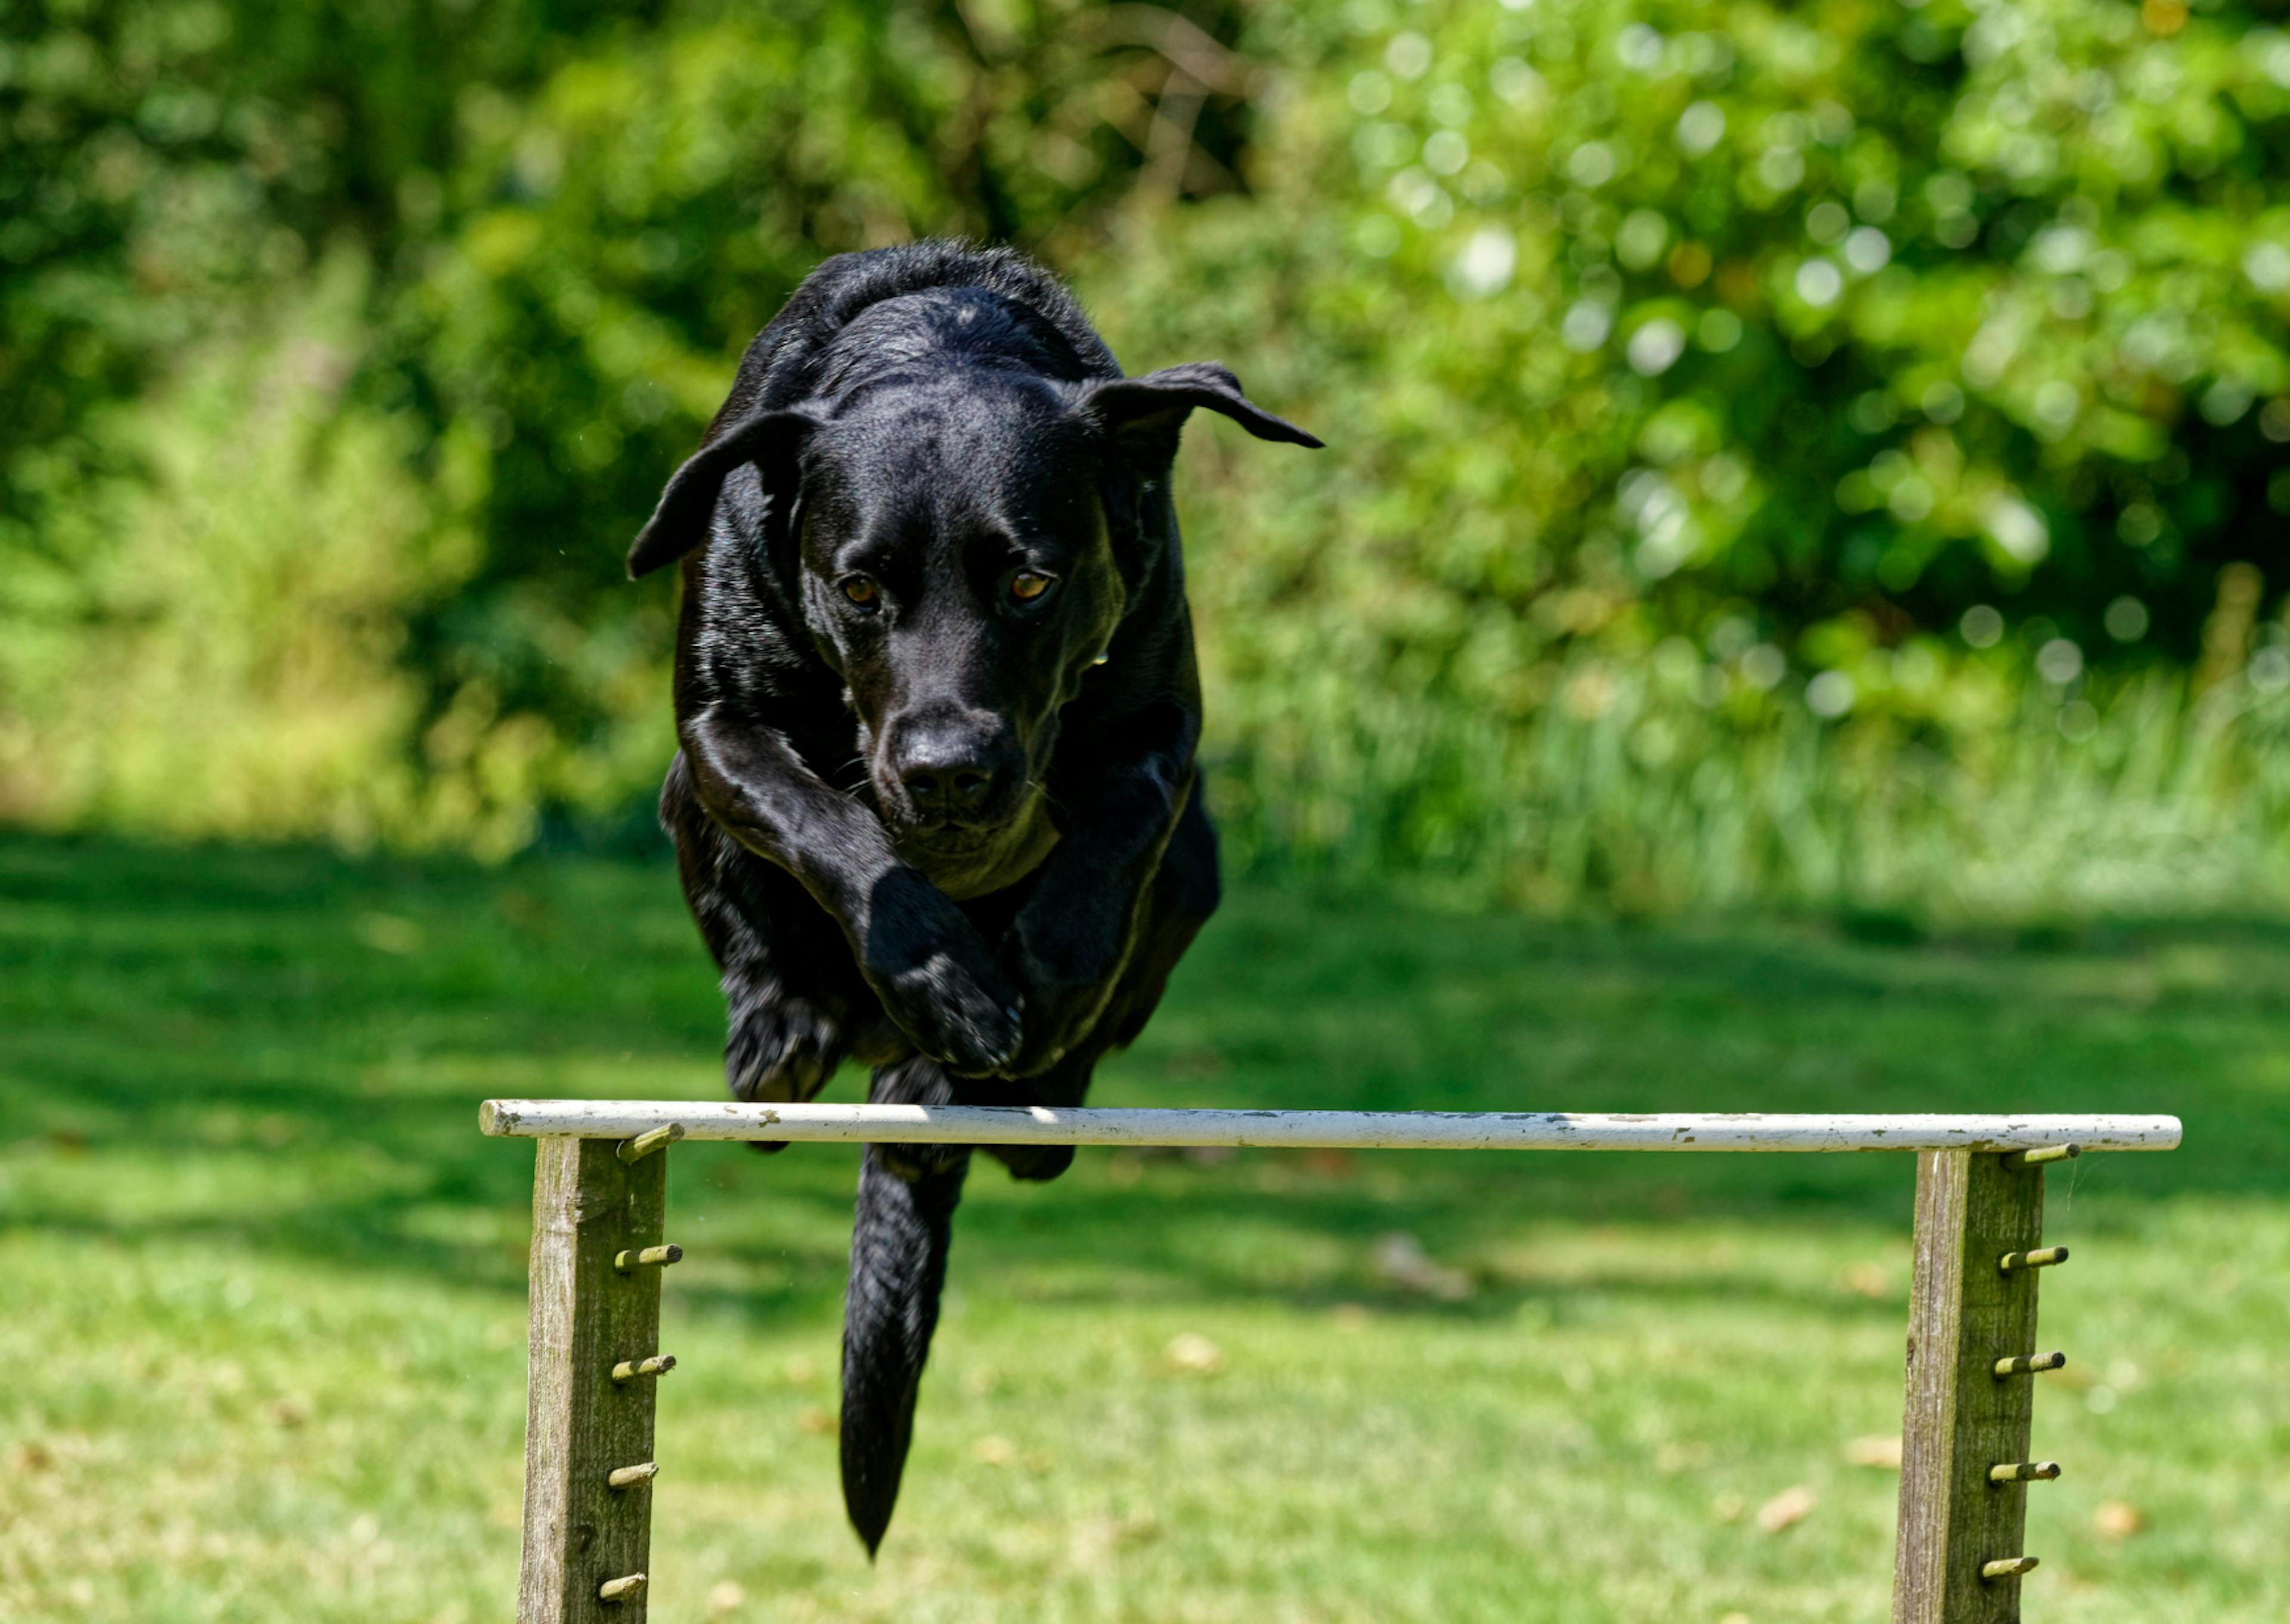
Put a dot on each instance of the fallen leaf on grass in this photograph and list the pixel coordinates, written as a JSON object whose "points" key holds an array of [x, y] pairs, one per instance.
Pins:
{"points": [[2117, 1519], [993, 1450], [1786, 1509], [813, 1419], [1878, 1449], [1195, 1355], [726, 1595]]}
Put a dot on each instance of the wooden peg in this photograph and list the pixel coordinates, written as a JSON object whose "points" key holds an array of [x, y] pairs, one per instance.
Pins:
{"points": [[628, 1370], [643, 1144], [2043, 1257], [2006, 1567], [2026, 1364], [2024, 1471], [629, 1477], [660, 1257], [621, 1589], [2049, 1153]]}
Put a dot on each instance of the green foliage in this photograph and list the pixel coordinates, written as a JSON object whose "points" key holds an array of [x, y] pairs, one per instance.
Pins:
{"points": [[1767, 444], [570, 223], [1865, 311], [213, 645], [266, 1300], [1780, 344]]}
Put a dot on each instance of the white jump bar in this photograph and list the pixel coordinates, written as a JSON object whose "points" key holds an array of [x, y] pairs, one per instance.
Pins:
{"points": [[977, 1125]]}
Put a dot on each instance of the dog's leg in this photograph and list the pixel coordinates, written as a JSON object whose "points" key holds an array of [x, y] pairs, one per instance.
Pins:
{"points": [[1081, 923], [909, 943], [785, 1035], [1065, 1083], [1183, 893], [899, 1240], [917, 1081]]}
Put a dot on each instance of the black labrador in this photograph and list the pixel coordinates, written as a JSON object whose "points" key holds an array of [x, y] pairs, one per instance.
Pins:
{"points": [[935, 809]]}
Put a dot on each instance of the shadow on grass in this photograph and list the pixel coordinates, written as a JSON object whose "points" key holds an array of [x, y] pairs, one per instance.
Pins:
{"points": [[205, 1017]]}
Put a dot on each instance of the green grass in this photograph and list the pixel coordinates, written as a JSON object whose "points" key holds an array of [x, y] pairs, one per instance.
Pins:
{"points": [[264, 1289]]}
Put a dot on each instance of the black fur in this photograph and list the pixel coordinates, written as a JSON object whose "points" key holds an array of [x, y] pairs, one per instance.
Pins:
{"points": [[928, 817]]}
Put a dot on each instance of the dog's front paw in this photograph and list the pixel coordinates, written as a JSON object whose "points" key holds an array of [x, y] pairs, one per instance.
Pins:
{"points": [[1068, 981], [916, 1164], [781, 1048], [928, 965], [1059, 1014], [964, 1015]]}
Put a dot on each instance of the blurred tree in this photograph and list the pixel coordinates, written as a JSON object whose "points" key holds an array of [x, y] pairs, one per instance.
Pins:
{"points": [[1891, 370], [576, 216], [1852, 311]]}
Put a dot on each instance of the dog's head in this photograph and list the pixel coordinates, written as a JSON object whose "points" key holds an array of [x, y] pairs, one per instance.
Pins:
{"points": [[960, 544]]}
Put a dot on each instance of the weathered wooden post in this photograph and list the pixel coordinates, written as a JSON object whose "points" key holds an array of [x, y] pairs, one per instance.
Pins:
{"points": [[593, 1366], [1965, 1469]]}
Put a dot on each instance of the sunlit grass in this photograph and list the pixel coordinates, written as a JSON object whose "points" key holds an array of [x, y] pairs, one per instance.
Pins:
{"points": [[266, 1300]]}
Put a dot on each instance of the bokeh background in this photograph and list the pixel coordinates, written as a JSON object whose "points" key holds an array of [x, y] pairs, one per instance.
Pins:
{"points": [[1792, 616], [1831, 454]]}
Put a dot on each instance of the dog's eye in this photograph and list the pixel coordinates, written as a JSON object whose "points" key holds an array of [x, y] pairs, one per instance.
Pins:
{"points": [[862, 592], [1026, 585]]}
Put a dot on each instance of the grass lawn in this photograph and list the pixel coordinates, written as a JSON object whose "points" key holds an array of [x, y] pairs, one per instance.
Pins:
{"points": [[264, 1295]]}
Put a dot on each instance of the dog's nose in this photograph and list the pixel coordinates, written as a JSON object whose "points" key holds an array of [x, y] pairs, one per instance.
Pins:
{"points": [[948, 781]]}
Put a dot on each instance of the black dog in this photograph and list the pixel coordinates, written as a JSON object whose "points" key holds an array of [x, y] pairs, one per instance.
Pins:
{"points": [[935, 807]]}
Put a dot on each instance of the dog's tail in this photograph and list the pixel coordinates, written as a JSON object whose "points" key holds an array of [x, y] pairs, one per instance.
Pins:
{"points": [[898, 1267]]}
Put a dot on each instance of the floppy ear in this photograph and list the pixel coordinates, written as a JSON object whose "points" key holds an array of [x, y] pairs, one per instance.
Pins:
{"points": [[1145, 414], [768, 439]]}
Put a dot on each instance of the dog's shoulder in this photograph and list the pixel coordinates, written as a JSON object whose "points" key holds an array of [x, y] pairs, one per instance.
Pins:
{"points": [[801, 350]]}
